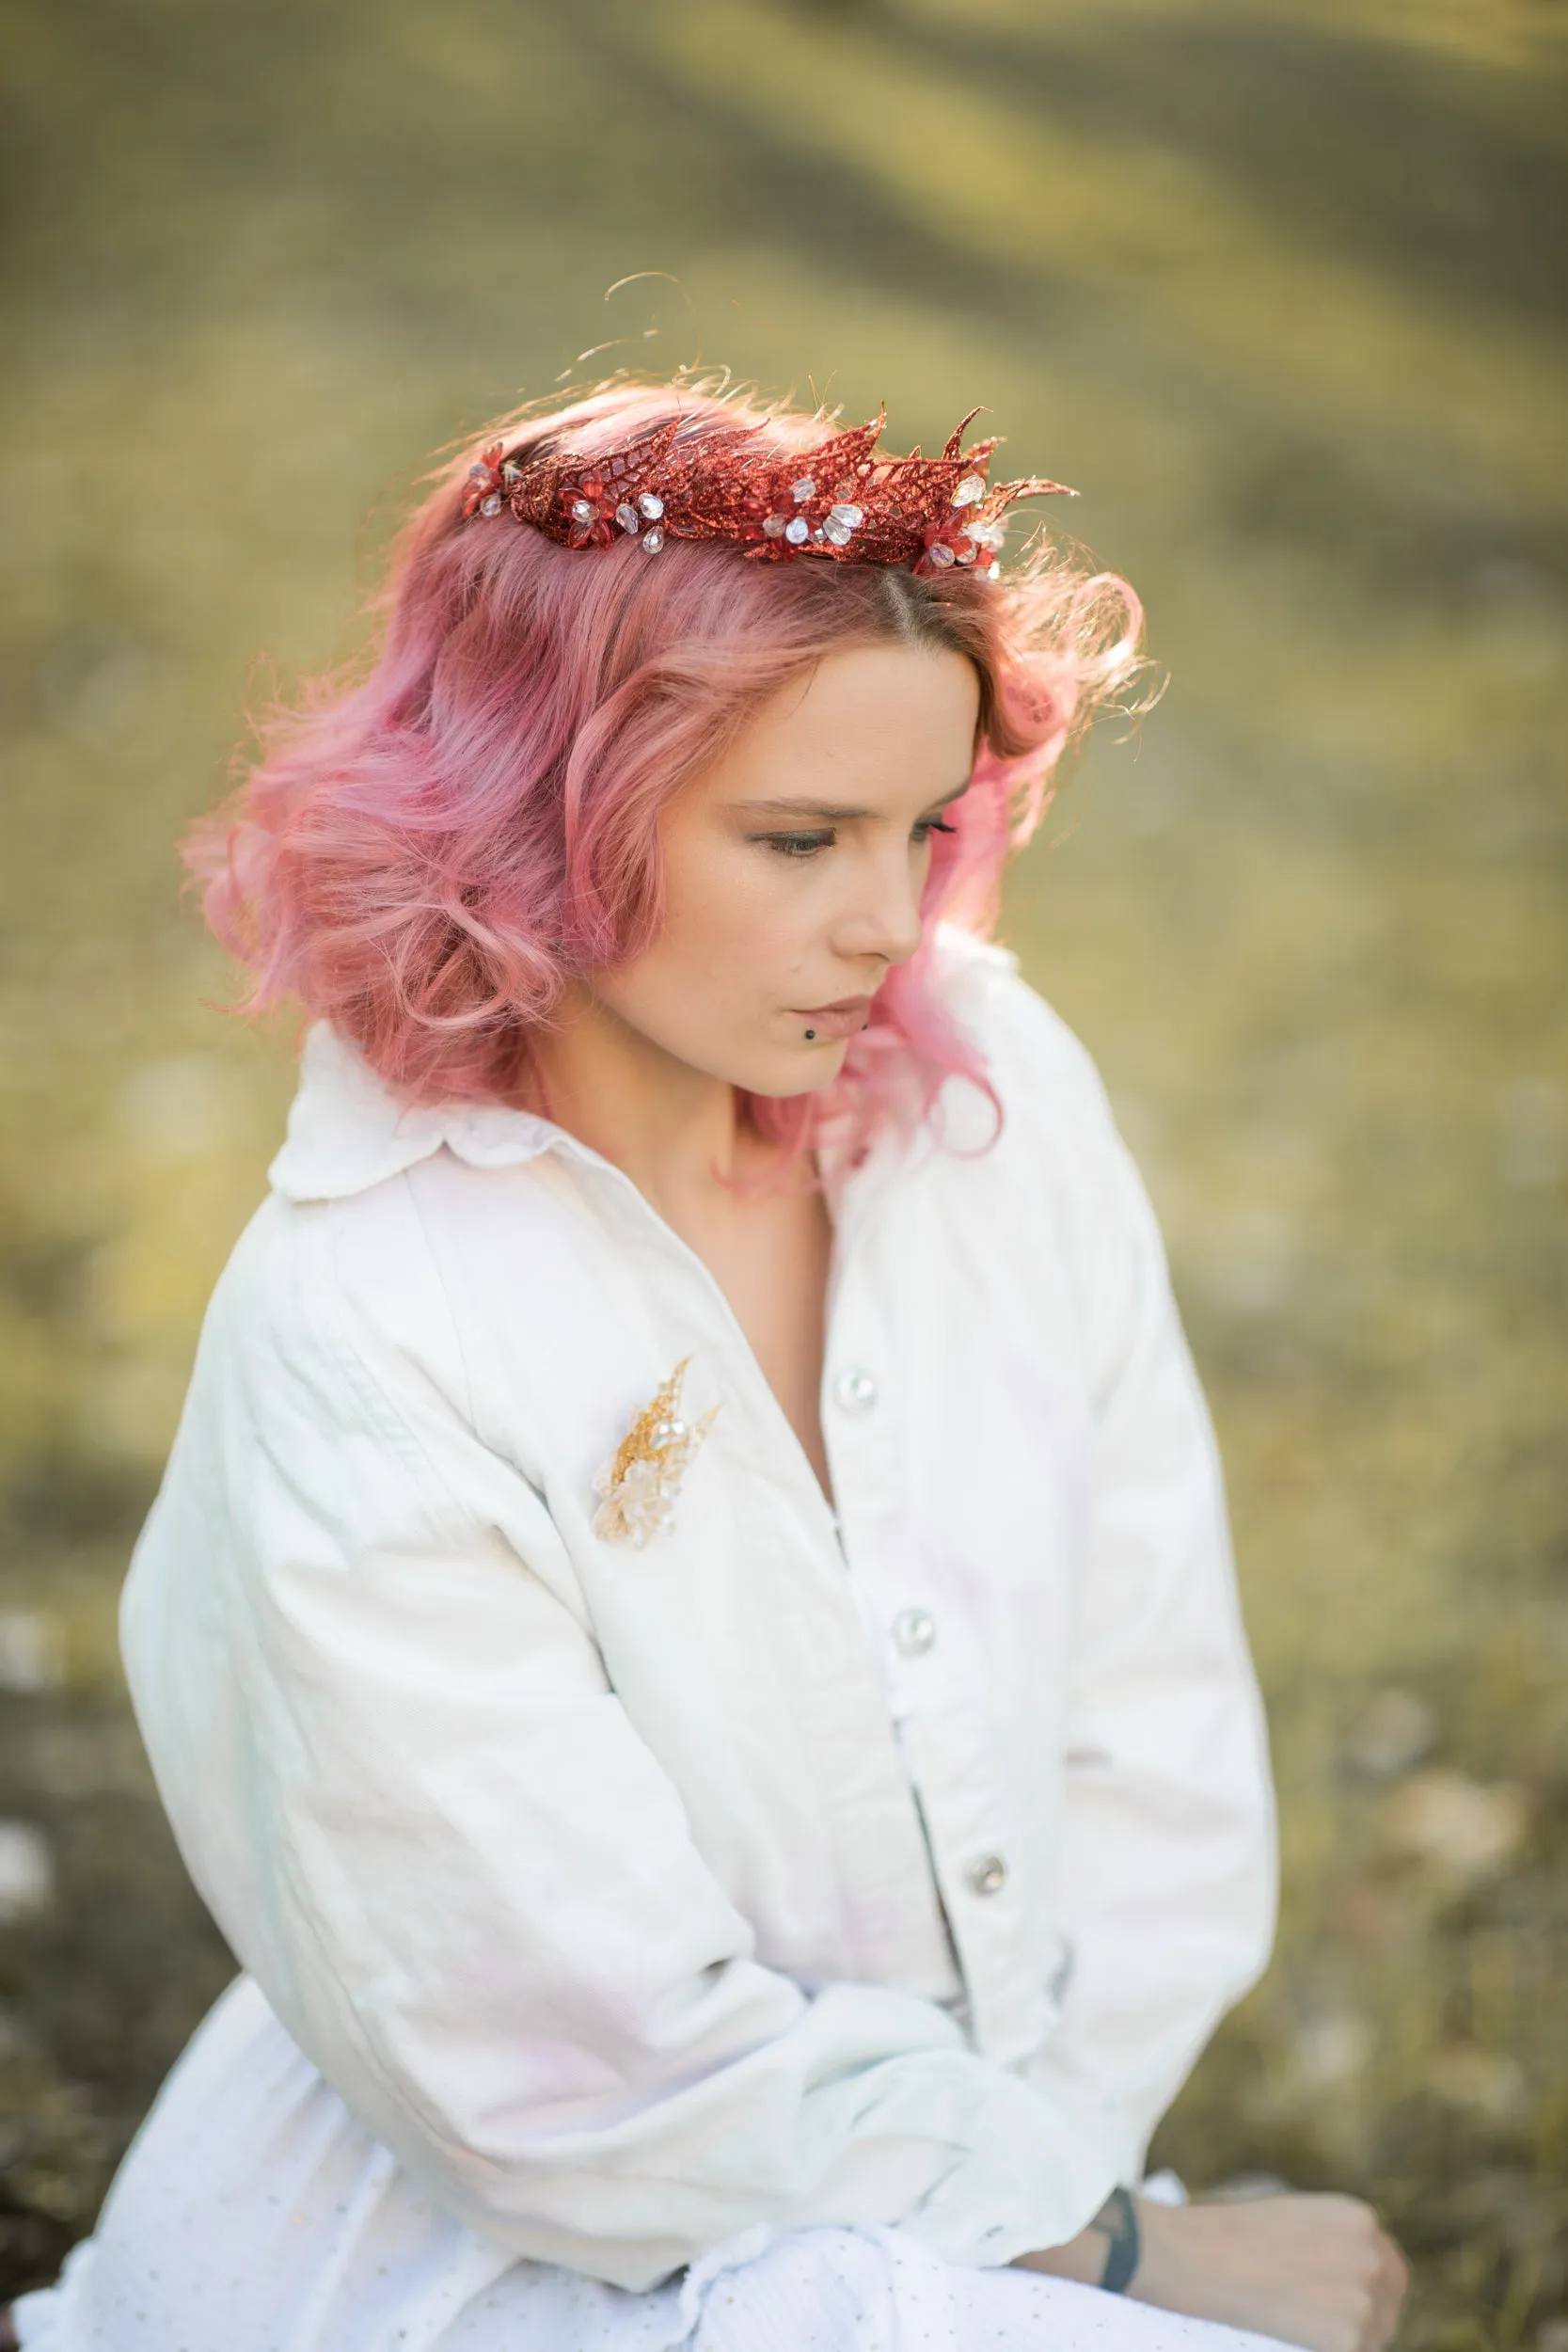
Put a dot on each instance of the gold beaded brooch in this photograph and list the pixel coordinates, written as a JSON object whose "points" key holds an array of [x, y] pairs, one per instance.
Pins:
{"points": [[638, 1489]]}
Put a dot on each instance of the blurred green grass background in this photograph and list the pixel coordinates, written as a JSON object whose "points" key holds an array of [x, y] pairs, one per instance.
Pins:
{"points": [[1277, 284]]}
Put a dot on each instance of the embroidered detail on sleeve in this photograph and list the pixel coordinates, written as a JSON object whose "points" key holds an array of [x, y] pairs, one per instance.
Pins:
{"points": [[638, 1489]]}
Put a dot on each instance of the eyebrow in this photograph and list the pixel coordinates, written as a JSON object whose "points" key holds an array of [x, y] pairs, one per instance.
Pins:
{"points": [[828, 812]]}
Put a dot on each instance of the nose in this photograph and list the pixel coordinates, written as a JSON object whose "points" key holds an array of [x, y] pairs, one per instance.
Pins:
{"points": [[882, 916]]}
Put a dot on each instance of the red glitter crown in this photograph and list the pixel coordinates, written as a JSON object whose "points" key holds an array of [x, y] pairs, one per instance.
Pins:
{"points": [[839, 499]]}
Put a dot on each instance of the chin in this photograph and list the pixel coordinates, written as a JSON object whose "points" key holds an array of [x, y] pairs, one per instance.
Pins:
{"points": [[806, 1072]]}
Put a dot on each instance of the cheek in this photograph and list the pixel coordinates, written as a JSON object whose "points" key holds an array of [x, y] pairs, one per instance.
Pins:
{"points": [[734, 912]]}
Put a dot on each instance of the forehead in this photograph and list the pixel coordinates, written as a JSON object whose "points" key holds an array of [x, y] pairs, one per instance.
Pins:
{"points": [[869, 720]]}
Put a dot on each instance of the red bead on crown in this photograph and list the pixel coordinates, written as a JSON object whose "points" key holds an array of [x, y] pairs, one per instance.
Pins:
{"points": [[840, 499]]}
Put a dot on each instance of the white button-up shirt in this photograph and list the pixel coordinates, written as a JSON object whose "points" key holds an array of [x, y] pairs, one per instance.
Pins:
{"points": [[885, 1866]]}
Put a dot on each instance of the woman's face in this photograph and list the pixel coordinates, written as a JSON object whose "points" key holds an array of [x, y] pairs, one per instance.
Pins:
{"points": [[793, 870]]}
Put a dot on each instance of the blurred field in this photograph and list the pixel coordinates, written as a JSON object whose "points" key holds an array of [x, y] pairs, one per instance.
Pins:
{"points": [[1277, 286]]}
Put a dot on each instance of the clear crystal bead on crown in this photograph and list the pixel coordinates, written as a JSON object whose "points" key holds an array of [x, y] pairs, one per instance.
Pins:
{"points": [[969, 490], [804, 489], [797, 530], [581, 511], [849, 517], [491, 505], [940, 555], [649, 507], [773, 525], [627, 517], [652, 541]]}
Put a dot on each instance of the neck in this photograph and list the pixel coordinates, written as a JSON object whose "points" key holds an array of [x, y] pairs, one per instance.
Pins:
{"points": [[674, 1130]]}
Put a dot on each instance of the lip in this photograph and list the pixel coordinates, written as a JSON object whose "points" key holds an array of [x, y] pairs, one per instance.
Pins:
{"points": [[843, 1019]]}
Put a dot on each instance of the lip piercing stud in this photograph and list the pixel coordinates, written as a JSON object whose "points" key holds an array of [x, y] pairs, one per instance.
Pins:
{"points": [[811, 1033]]}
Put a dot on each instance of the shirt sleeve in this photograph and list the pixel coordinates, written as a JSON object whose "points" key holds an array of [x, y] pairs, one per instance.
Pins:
{"points": [[1168, 1868], [387, 1743]]}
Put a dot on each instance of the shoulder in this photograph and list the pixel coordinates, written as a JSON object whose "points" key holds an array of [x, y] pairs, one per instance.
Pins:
{"points": [[1056, 1169], [1045, 1078], [1058, 1182], [336, 1309]]}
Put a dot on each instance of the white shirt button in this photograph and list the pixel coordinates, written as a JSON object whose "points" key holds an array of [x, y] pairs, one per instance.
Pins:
{"points": [[855, 1391], [914, 1631], [988, 1876]]}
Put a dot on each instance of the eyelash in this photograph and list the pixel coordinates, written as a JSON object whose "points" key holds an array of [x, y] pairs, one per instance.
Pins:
{"points": [[803, 844]]}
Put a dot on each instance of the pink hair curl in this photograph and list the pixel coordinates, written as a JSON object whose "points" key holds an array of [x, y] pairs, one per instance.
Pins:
{"points": [[426, 857]]}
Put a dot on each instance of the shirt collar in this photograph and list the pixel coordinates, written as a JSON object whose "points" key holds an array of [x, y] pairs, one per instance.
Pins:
{"points": [[347, 1130]]}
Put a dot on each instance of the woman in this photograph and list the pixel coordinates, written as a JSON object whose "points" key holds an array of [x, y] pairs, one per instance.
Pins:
{"points": [[688, 1639]]}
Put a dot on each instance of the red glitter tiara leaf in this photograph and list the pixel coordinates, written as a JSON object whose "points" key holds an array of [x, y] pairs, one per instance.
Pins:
{"points": [[840, 500]]}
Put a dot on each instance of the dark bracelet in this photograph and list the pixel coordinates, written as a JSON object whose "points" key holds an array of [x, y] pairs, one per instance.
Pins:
{"points": [[1117, 2222]]}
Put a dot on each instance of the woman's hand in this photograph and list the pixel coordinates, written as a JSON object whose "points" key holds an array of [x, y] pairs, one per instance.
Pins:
{"points": [[1315, 2271]]}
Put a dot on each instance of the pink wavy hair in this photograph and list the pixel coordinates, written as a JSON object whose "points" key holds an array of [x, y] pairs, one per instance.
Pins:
{"points": [[426, 855]]}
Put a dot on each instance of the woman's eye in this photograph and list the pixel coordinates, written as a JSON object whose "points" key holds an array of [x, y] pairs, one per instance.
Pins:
{"points": [[796, 843], [928, 825]]}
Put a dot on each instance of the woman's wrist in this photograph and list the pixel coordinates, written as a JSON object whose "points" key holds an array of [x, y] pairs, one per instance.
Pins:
{"points": [[1116, 2223], [1161, 2276], [1106, 2253], [1082, 2259]]}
